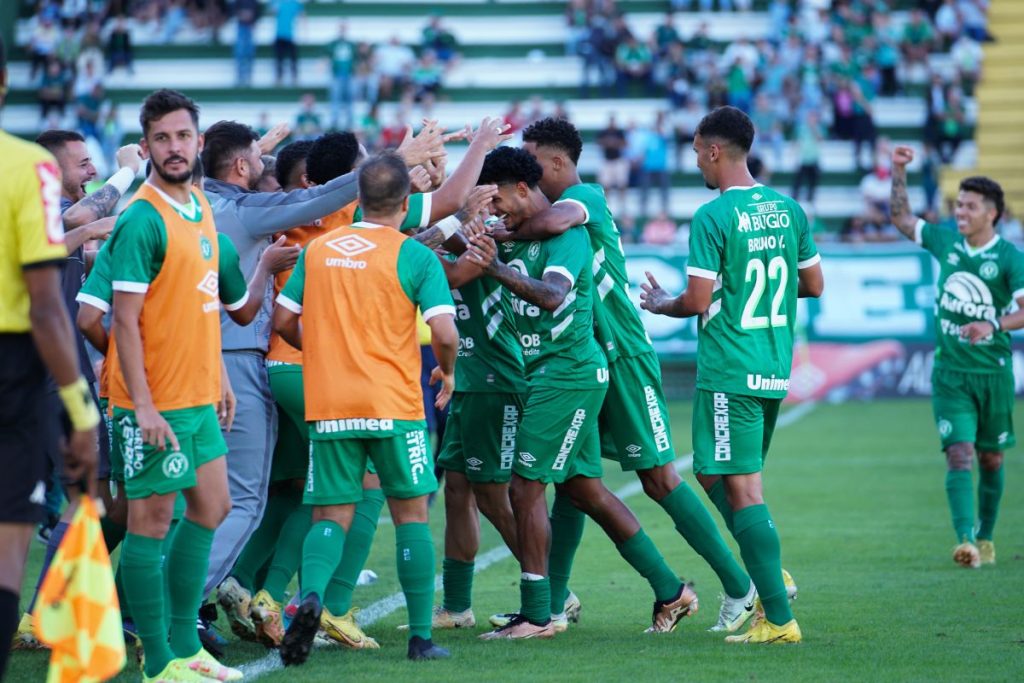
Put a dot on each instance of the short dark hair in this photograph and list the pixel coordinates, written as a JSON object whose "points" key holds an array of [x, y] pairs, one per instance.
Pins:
{"points": [[162, 102], [556, 132], [730, 125], [383, 183], [54, 140], [987, 188], [331, 156], [290, 156], [224, 141], [510, 165]]}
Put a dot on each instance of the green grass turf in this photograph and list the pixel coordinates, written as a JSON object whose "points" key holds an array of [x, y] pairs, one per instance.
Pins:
{"points": [[857, 493]]}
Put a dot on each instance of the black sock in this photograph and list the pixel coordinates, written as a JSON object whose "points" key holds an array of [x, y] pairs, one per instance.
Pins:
{"points": [[8, 624]]}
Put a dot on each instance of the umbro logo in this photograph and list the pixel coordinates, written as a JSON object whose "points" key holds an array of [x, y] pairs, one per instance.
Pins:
{"points": [[350, 245], [209, 284], [474, 463], [527, 459], [633, 450]]}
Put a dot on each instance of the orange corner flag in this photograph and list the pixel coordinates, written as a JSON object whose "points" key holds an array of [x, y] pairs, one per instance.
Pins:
{"points": [[77, 613]]}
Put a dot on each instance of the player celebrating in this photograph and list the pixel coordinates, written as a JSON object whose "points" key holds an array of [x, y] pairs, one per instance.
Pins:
{"points": [[980, 277], [567, 378], [370, 272], [634, 421], [751, 256], [164, 257]]}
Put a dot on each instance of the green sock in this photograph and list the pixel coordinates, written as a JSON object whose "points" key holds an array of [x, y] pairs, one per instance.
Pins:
{"points": [[567, 522], [457, 579], [357, 548], [535, 598], [719, 497], [694, 523], [141, 571], [126, 612], [165, 550], [264, 541], [321, 552], [762, 553], [113, 533], [990, 490], [415, 556], [961, 503], [186, 573], [288, 553], [641, 554]]}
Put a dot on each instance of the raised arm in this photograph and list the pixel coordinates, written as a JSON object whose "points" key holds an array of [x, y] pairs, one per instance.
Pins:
{"points": [[452, 195], [899, 202], [103, 201], [264, 213]]}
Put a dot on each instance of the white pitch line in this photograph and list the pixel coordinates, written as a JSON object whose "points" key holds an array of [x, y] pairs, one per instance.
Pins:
{"points": [[394, 602]]}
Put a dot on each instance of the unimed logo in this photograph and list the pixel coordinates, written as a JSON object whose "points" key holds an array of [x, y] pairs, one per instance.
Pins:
{"points": [[350, 245]]}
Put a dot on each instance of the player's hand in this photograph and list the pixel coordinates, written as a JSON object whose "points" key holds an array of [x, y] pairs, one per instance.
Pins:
{"points": [[80, 459], [481, 250], [447, 386], [155, 430], [652, 297], [902, 155], [435, 168], [491, 133], [500, 232], [464, 134], [280, 256], [476, 202], [129, 156], [977, 331], [472, 227], [419, 180], [273, 138], [425, 145], [226, 406], [101, 229]]}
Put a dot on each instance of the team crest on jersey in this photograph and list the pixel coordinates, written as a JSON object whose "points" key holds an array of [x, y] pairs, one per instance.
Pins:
{"points": [[989, 270], [175, 465], [953, 259], [534, 250], [945, 428], [350, 245], [205, 247]]}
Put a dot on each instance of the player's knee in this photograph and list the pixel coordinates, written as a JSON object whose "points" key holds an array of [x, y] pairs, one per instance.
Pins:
{"points": [[960, 456], [708, 481], [990, 460], [658, 482], [492, 499]]}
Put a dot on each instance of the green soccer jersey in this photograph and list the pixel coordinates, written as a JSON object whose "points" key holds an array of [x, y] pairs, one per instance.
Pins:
{"points": [[490, 359], [417, 217], [619, 329], [559, 348], [751, 241], [974, 284]]}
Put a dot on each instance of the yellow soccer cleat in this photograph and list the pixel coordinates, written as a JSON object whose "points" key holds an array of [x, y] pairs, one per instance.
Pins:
{"points": [[176, 671], [204, 664], [266, 618], [345, 631], [766, 633], [25, 637], [987, 551], [967, 556], [791, 592]]}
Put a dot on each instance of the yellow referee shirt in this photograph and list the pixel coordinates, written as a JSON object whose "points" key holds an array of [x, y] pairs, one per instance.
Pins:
{"points": [[31, 232]]}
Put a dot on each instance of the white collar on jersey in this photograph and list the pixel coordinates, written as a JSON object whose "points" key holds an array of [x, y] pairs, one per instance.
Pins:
{"points": [[974, 251], [367, 224], [190, 212], [742, 187]]}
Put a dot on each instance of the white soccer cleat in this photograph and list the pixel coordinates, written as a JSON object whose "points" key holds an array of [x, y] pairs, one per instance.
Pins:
{"points": [[735, 611]]}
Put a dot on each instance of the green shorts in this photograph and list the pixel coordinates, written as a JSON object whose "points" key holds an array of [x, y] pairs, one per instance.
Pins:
{"points": [[336, 467], [634, 421], [291, 453], [731, 432], [558, 437], [480, 437], [148, 471], [974, 408]]}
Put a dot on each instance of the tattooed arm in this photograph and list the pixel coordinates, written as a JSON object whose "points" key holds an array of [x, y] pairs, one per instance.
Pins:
{"points": [[548, 293], [902, 217], [92, 208]]}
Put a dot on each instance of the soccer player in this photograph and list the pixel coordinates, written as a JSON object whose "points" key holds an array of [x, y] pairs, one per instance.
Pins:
{"points": [[634, 422], [362, 393], [35, 338], [980, 277], [164, 257], [567, 379], [751, 256]]}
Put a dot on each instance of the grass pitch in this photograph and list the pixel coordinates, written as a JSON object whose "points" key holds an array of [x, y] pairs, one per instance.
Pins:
{"points": [[857, 493]]}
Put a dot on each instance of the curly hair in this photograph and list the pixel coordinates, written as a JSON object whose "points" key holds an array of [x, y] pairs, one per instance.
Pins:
{"points": [[730, 125], [555, 132], [331, 156], [290, 156], [987, 188], [510, 165]]}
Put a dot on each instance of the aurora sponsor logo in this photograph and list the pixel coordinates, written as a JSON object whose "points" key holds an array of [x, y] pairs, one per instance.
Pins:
{"points": [[967, 294]]}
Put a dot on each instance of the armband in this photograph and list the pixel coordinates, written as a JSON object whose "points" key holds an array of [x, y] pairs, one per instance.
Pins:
{"points": [[78, 402]]}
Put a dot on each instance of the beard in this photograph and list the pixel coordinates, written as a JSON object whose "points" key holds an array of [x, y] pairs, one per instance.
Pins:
{"points": [[174, 178]]}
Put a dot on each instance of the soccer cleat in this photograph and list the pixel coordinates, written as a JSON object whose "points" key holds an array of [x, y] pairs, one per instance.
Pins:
{"points": [[667, 615], [735, 611], [298, 639], [765, 633], [791, 591], [25, 637], [236, 602], [444, 619], [518, 628], [987, 551], [571, 613], [204, 664], [266, 619], [502, 619], [423, 648], [176, 671], [573, 607], [967, 556], [560, 622], [345, 631]]}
